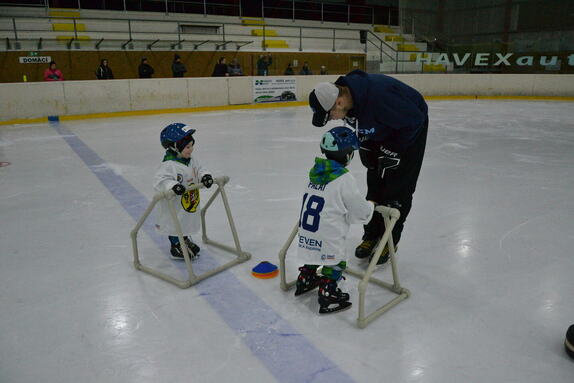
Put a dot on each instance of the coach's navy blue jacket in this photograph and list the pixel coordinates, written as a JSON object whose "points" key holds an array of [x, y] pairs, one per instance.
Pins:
{"points": [[387, 109]]}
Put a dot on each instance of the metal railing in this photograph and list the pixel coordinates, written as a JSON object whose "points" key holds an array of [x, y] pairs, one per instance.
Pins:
{"points": [[323, 11], [131, 30]]}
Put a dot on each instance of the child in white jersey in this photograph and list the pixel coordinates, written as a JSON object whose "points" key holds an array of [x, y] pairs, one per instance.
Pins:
{"points": [[331, 203], [178, 171]]}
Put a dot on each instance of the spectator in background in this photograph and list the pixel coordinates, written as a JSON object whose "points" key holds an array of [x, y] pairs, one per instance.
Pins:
{"points": [[177, 67], [305, 70], [104, 72], [235, 69], [289, 70], [220, 69], [52, 73], [263, 65], [145, 70], [323, 70]]}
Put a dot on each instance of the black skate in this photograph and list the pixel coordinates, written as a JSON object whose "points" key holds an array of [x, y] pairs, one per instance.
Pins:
{"points": [[329, 295], [366, 248], [306, 281], [192, 247], [177, 252]]}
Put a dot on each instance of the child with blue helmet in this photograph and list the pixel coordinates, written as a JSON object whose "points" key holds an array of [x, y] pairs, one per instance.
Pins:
{"points": [[331, 203], [178, 171]]}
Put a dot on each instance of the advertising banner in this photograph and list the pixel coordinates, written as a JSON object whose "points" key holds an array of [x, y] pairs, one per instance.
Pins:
{"points": [[274, 89]]}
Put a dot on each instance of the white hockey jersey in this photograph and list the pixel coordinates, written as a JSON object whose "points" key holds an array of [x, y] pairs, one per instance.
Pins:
{"points": [[187, 206], [327, 212]]}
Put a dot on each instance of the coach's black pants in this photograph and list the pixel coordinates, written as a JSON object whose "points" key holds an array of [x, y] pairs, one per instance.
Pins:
{"points": [[397, 185]]}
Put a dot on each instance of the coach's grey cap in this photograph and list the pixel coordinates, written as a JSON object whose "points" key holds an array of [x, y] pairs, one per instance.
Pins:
{"points": [[321, 100]]}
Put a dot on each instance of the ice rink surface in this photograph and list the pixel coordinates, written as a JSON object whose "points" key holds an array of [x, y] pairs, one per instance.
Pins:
{"points": [[486, 254]]}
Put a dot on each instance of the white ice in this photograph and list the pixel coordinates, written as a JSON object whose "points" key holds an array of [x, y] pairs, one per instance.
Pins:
{"points": [[486, 253]]}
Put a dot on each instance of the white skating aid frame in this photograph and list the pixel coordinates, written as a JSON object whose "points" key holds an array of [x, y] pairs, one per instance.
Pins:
{"points": [[390, 217], [242, 256]]}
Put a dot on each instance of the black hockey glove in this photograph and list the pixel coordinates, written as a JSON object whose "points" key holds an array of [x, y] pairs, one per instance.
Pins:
{"points": [[207, 180], [178, 189], [388, 160], [392, 204]]}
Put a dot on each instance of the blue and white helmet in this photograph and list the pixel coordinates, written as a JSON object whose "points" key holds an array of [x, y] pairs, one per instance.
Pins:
{"points": [[339, 144], [176, 136]]}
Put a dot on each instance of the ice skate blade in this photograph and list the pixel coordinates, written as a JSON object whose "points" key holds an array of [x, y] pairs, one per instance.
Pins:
{"points": [[192, 258], [341, 307], [304, 291]]}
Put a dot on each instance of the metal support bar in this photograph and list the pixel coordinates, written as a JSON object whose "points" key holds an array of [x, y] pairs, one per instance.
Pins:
{"points": [[152, 44], [97, 46], [130, 29], [204, 8], [293, 15], [126, 43], [192, 278], [223, 44], [178, 44], [348, 14], [39, 46], [322, 13], [195, 46], [75, 29], [8, 45], [390, 217], [15, 31], [70, 42], [239, 46], [264, 46], [333, 40]]}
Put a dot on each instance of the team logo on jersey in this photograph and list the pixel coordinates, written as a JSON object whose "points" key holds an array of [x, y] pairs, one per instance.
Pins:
{"points": [[367, 131], [190, 200]]}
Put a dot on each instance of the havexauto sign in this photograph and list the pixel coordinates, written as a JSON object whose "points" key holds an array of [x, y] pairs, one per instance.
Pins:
{"points": [[35, 59], [487, 59]]}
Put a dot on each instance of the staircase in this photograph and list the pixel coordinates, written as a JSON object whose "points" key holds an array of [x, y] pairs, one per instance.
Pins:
{"points": [[264, 32], [64, 20], [400, 53]]}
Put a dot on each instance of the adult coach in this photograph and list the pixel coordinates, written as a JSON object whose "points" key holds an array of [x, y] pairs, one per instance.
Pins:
{"points": [[391, 120]]}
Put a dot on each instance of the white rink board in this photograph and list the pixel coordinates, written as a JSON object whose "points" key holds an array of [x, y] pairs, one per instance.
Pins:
{"points": [[29, 100]]}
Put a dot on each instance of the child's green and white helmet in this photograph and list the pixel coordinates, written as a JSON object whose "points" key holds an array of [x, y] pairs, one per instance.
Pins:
{"points": [[339, 144]]}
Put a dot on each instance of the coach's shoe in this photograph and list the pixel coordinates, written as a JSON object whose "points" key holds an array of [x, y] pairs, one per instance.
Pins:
{"points": [[569, 342], [366, 248], [385, 255]]}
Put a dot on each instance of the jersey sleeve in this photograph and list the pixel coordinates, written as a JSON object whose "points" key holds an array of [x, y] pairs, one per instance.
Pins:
{"points": [[359, 210], [165, 177]]}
